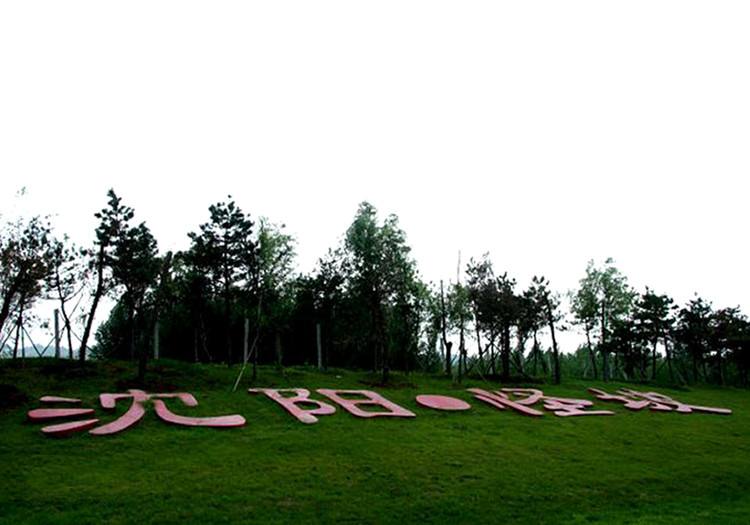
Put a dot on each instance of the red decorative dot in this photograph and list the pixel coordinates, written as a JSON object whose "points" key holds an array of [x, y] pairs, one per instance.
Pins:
{"points": [[442, 402]]}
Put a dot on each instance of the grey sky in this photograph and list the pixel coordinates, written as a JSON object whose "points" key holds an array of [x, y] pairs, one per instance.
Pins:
{"points": [[546, 133]]}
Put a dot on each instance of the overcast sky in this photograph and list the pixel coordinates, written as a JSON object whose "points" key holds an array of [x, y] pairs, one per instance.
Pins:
{"points": [[547, 133]]}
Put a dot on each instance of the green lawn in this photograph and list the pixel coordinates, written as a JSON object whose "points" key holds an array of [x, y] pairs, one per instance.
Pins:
{"points": [[480, 466]]}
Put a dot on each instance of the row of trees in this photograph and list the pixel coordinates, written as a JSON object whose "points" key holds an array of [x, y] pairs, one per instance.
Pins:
{"points": [[644, 333], [233, 296]]}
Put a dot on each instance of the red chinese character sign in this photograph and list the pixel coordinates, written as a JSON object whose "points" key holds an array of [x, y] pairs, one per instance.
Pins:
{"points": [[133, 415], [359, 403], [524, 398], [294, 403], [365, 398], [52, 414], [362, 398], [635, 400]]}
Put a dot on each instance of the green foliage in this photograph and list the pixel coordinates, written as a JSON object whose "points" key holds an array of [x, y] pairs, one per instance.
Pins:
{"points": [[130, 253], [603, 296], [26, 249], [64, 283], [381, 276], [134, 263], [224, 248], [541, 307], [364, 306], [226, 252], [693, 332], [499, 312], [201, 297], [113, 221], [276, 254]]}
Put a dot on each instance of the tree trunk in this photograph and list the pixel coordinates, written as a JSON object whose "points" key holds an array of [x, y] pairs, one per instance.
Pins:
{"points": [[592, 355], [461, 351], [23, 346], [460, 355], [493, 368], [19, 327], [328, 336], [479, 342], [277, 345], [669, 359], [555, 354], [695, 366], [653, 361], [605, 364], [448, 362], [195, 344], [616, 367], [506, 352], [66, 326], [131, 325], [8, 298], [204, 338], [227, 327], [68, 334], [62, 299], [518, 355], [142, 360], [629, 359], [381, 347], [386, 367], [98, 292]]}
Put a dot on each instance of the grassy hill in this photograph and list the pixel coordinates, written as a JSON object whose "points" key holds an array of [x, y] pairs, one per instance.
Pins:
{"points": [[480, 466]]}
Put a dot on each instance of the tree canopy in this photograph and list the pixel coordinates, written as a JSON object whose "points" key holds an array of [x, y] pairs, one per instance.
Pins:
{"points": [[236, 291]]}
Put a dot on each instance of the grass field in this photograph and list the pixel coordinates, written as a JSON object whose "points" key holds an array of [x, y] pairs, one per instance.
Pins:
{"points": [[480, 466]]}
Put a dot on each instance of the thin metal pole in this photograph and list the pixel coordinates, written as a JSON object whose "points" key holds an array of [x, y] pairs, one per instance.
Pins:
{"points": [[156, 339], [57, 334], [320, 346], [246, 340], [23, 341]]}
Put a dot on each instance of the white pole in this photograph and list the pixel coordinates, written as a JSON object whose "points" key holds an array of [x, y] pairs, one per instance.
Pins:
{"points": [[57, 334], [320, 346], [156, 339], [247, 338]]}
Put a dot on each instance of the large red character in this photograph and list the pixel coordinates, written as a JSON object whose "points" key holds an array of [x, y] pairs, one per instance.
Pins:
{"points": [[294, 403], [524, 398], [635, 400], [300, 397], [135, 413]]}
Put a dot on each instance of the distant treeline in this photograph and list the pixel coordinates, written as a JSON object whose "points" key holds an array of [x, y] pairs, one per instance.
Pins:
{"points": [[234, 296]]}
